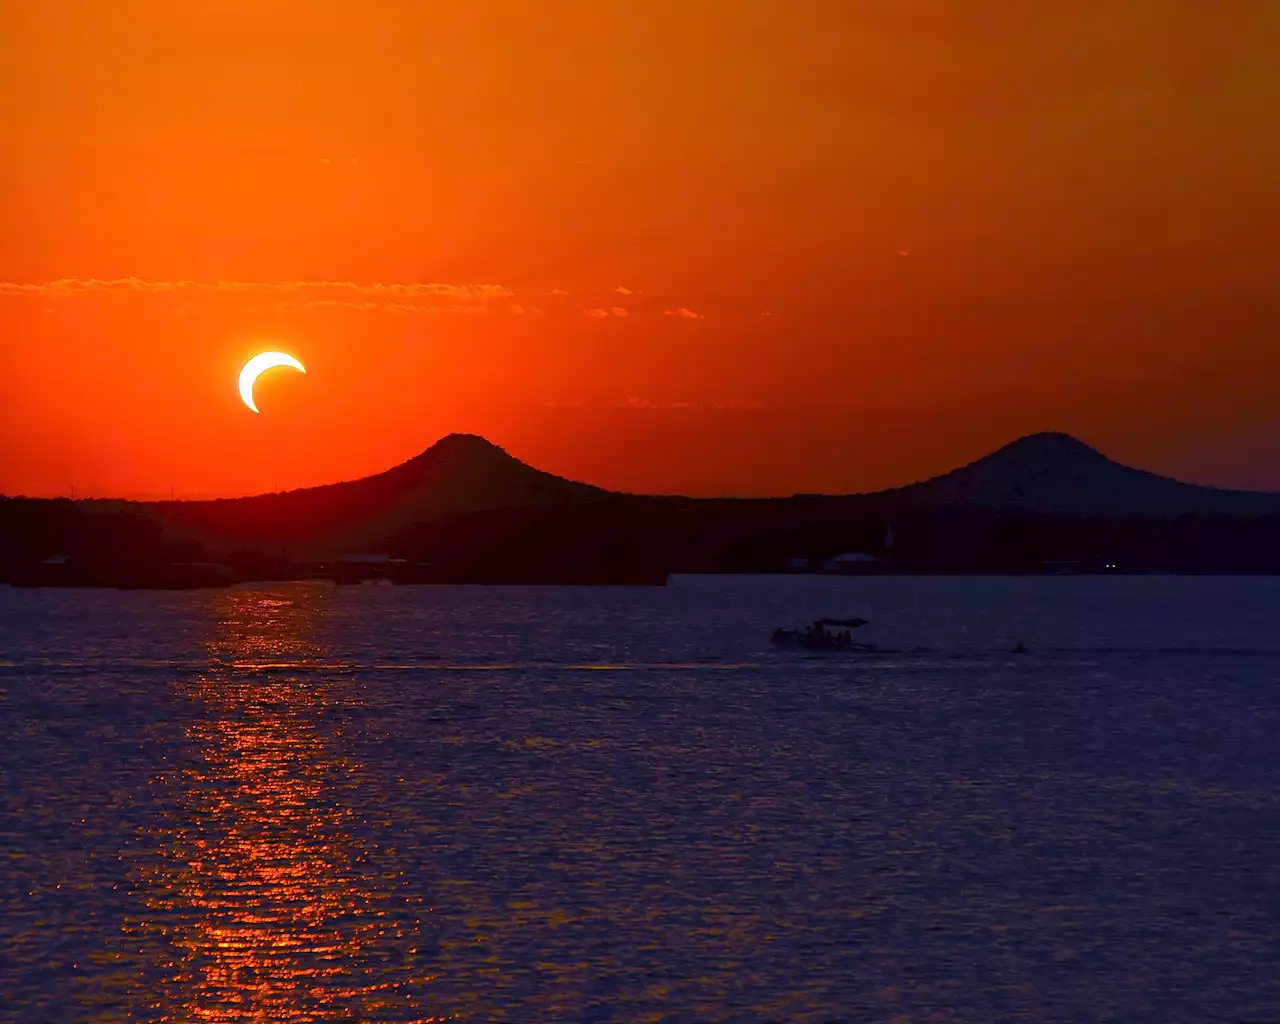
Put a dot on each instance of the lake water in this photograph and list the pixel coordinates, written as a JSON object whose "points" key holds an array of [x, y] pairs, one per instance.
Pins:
{"points": [[310, 803]]}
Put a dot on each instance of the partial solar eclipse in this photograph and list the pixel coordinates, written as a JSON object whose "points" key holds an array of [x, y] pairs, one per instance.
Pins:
{"points": [[259, 365]]}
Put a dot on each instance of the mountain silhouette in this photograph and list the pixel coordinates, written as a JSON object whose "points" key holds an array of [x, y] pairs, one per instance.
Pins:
{"points": [[1047, 474], [458, 474], [1056, 474], [465, 510]]}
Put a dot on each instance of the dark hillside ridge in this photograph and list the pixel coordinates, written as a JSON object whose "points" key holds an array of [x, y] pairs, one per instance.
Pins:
{"points": [[1049, 474], [1054, 474], [465, 510], [460, 473]]}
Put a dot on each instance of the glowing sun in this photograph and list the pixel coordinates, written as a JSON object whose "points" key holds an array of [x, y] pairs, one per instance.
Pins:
{"points": [[259, 365]]}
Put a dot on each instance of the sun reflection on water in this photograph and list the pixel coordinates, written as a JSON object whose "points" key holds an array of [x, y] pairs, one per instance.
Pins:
{"points": [[268, 887]]}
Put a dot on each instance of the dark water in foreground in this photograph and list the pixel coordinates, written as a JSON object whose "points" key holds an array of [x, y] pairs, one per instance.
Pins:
{"points": [[309, 803]]}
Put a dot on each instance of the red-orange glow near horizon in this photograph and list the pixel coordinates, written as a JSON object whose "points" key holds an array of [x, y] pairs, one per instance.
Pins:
{"points": [[738, 246]]}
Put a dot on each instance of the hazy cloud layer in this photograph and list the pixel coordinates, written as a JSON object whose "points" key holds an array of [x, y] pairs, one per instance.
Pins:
{"points": [[68, 287], [431, 297], [638, 402]]}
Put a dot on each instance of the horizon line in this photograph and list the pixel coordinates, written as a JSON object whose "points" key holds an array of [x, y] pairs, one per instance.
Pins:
{"points": [[160, 497]]}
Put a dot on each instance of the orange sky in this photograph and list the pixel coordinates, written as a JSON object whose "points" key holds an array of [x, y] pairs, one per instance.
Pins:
{"points": [[711, 246]]}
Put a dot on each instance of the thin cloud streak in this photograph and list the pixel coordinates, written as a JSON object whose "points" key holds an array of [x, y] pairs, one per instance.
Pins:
{"points": [[70, 287], [375, 307], [640, 403], [429, 297]]}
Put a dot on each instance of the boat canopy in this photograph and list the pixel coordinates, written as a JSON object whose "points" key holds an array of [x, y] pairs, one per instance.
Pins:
{"points": [[847, 623]]}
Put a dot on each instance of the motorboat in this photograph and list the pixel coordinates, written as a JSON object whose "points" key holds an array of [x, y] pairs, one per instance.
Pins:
{"points": [[819, 636]]}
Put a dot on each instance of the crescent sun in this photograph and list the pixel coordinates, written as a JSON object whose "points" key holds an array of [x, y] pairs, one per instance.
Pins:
{"points": [[259, 365]]}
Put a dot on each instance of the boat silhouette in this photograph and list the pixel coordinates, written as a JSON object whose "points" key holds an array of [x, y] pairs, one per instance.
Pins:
{"points": [[818, 637]]}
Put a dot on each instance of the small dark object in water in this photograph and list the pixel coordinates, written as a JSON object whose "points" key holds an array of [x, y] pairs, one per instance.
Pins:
{"points": [[817, 637], [1020, 649]]}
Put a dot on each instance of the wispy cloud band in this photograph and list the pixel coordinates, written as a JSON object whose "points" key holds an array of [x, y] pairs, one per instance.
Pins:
{"points": [[67, 287], [430, 297], [636, 402]]}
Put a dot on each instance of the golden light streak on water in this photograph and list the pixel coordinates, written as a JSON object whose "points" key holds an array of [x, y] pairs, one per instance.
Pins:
{"points": [[264, 890]]}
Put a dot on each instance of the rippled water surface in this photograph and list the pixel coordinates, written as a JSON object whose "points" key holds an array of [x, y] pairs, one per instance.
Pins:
{"points": [[312, 803]]}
